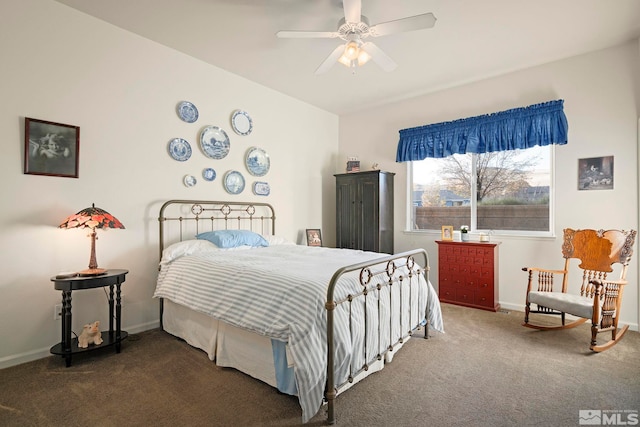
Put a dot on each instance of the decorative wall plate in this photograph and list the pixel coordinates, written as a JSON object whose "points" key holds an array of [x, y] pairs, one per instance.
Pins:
{"points": [[179, 149], [209, 174], [241, 122], [187, 112], [261, 188], [214, 142], [233, 182], [257, 161], [189, 180]]}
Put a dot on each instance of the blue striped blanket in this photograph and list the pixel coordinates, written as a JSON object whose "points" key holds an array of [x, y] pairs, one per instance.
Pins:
{"points": [[280, 291]]}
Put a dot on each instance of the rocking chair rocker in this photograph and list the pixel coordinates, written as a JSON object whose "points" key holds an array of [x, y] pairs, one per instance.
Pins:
{"points": [[599, 298]]}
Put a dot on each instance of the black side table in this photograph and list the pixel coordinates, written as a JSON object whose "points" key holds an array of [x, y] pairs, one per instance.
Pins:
{"points": [[111, 278]]}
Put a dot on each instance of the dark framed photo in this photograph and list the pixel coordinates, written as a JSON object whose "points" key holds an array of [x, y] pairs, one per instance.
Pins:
{"points": [[595, 173], [314, 238], [51, 148]]}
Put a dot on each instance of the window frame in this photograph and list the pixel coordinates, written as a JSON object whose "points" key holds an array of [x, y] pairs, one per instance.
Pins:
{"points": [[473, 225]]}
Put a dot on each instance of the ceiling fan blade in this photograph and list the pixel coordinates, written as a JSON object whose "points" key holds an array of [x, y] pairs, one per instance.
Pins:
{"points": [[412, 23], [352, 10], [379, 57], [331, 59], [307, 34]]}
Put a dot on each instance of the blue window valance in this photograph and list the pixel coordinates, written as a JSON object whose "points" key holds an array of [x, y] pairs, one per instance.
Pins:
{"points": [[538, 124]]}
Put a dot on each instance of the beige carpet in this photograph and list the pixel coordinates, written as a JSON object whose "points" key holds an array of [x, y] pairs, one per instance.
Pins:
{"points": [[486, 370]]}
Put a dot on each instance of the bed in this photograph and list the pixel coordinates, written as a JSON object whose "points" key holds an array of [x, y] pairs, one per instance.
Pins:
{"points": [[309, 321]]}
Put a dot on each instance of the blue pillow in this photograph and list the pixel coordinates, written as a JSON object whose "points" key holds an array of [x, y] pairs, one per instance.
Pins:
{"points": [[233, 238]]}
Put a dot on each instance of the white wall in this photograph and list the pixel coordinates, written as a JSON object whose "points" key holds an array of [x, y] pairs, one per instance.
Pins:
{"points": [[602, 97], [121, 90]]}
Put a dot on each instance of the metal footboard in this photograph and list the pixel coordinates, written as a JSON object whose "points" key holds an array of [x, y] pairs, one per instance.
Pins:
{"points": [[378, 275]]}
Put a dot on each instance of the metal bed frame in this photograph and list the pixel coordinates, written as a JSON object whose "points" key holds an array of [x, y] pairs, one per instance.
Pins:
{"points": [[379, 275]]}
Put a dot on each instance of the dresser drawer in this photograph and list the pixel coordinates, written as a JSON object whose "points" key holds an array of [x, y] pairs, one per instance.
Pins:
{"points": [[484, 295], [465, 296], [446, 293]]}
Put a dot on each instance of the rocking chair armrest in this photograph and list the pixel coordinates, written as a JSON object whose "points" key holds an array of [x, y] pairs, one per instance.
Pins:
{"points": [[600, 286], [531, 270], [599, 283]]}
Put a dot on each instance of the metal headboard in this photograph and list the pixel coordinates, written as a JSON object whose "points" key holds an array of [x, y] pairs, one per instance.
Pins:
{"points": [[182, 219]]}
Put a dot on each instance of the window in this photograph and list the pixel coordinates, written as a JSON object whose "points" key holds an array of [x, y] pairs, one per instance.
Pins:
{"points": [[508, 192]]}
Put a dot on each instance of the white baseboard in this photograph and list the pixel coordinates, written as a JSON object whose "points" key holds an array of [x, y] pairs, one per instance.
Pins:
{"points": [[41, 353]]}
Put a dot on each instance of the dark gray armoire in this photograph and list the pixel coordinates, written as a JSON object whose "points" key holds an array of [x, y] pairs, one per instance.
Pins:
{"points": [[364, 211]]}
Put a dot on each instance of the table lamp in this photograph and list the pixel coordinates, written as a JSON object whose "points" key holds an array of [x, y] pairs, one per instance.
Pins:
{"points": [[92, 218]]}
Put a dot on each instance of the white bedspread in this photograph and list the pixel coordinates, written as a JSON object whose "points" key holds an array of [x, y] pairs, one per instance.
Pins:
{"points": [[280, 291]]}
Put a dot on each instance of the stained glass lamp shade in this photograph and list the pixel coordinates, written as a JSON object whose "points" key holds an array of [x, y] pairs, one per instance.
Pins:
{"points": [[92, 218]]}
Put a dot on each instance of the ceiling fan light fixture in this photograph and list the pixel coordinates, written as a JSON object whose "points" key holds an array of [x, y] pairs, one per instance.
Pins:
{"points": [[363, 58], [345, 61], [351, 51], [354, 55]]}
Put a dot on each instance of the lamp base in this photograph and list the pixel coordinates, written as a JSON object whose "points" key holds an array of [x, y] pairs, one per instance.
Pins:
{"points": [[92, 272]]}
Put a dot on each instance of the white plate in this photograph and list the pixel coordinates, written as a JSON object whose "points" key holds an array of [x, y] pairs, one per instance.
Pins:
{"points": [[189, 180], [241, 122], [209, 174], [214, 142], [233, 182], [187, 112], [257, 161], [261, 188], [179, 149]]}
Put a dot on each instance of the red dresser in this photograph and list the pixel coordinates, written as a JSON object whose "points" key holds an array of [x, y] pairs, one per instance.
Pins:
{"points": [[468, 274]]}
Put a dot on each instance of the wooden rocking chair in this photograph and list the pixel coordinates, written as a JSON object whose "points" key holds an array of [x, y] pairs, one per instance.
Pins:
{"points": [[599, 298]]}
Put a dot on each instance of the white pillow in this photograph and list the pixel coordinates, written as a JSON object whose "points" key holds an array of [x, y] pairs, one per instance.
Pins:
{"points": [[186, 247], [189, 247], [278, 240]]}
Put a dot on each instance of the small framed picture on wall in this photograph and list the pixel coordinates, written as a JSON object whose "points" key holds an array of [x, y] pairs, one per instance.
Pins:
{"points": [[595, 173], [314, 237], [51, 148], [447, 232]]}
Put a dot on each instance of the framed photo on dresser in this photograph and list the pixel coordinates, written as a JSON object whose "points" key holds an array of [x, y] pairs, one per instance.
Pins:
{"points": [[447, 232]]}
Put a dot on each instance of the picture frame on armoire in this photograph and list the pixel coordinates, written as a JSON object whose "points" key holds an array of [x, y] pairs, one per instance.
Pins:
{"points": [[51, 148]]}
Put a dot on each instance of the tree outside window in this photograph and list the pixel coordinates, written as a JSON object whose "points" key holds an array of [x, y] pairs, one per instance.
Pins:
{"points": [[500, 191]]}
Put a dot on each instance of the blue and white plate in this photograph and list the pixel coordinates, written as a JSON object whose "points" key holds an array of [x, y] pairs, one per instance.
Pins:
{"points": [[241, 122], [179, 149], [187, 112], [209, 174], [189, 180], [261, 188], [233, 182], [257, 161], [214, 142]]}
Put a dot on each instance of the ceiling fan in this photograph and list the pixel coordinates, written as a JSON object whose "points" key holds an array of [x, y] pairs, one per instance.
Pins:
{"points": [[354, 29]]}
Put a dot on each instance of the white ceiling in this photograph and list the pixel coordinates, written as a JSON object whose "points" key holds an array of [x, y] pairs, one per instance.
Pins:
{"points": [[471, 40]]}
